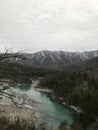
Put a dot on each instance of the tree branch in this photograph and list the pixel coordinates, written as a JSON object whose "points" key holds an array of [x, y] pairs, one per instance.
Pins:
{"points": [[11, 97]]}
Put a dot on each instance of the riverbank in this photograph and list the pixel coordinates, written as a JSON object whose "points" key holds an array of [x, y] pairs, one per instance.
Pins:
{"points": [[9, 95], [16, 110], [59, 100]]}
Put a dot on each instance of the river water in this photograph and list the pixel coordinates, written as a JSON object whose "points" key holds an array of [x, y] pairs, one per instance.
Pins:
{"points": [[51, 113]]}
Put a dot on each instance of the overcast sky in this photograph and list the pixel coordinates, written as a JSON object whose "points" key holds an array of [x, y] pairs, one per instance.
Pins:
{"points": [[34, 25]]}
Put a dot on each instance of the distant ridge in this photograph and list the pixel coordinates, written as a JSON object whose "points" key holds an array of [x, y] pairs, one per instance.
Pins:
{"points": [[58, 59]]}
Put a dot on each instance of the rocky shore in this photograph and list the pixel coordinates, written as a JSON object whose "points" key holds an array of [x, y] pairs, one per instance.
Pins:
{"points": [[16, 110], [59, 100]]}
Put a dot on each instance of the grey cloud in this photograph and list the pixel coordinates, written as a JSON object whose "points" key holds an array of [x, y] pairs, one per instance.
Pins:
{"points": [[36, 25]]}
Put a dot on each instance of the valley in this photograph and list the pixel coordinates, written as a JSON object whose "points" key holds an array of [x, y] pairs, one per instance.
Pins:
{"points": [[61, 90]]}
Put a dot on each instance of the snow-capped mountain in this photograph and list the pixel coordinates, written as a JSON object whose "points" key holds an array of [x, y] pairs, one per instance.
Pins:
{"points": [[56, 59]]}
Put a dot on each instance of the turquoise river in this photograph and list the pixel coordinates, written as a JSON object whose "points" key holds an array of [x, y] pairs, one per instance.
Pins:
{"points": [[52, 113]]}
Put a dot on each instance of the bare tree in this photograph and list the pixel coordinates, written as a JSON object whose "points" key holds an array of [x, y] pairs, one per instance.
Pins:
{"points": [[5, 57], [12, 97]]}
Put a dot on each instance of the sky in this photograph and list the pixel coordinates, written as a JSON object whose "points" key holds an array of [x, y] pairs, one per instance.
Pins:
{"points": [[34, 25]]}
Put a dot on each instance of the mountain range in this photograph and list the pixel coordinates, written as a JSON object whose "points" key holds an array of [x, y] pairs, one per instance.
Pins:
{"points": [[60, 59]]}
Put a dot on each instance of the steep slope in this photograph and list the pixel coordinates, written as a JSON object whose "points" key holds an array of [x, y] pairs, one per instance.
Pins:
{"points": [[90, 64]]}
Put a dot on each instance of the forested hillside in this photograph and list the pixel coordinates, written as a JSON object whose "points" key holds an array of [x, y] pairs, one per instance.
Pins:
{"points": [[79, 89], [21, 73]]}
